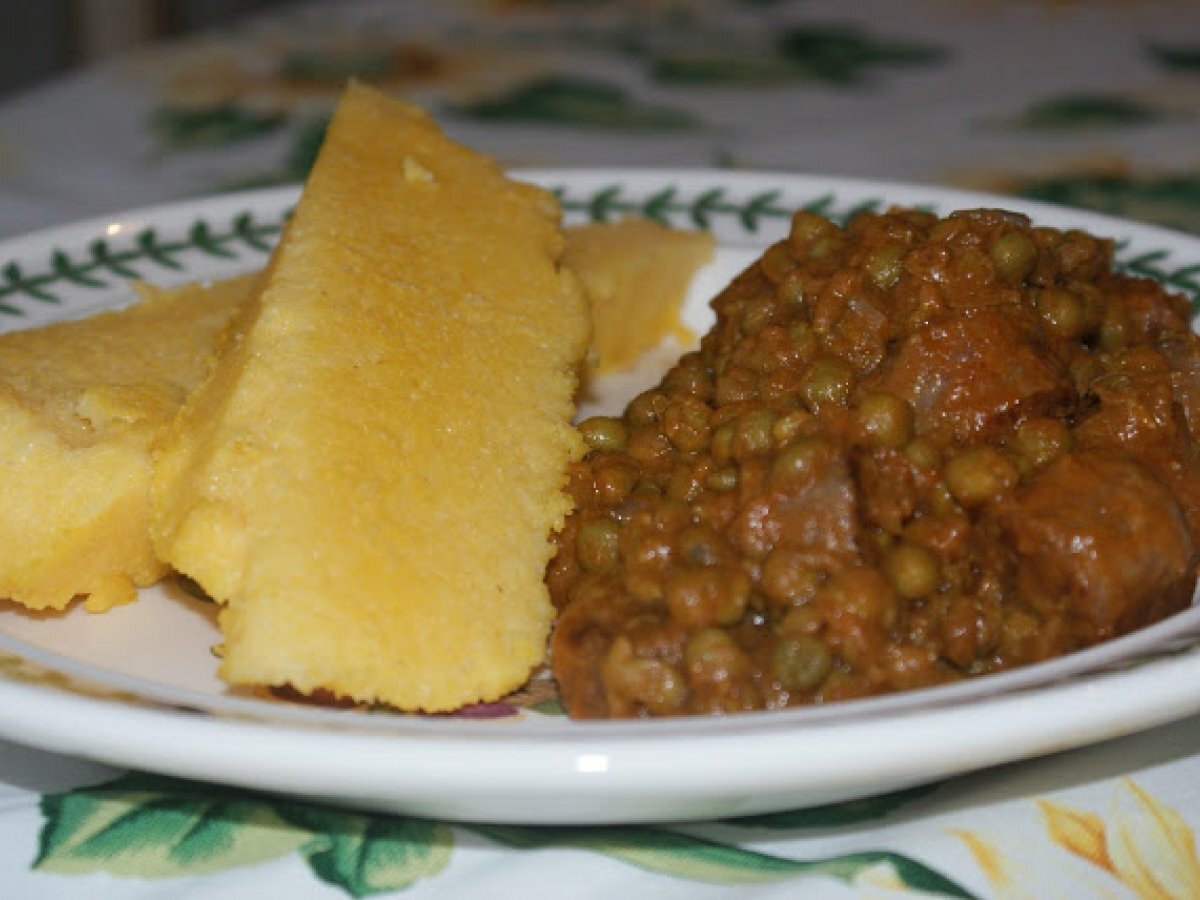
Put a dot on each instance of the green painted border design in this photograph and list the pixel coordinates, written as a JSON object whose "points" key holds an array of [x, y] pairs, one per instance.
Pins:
{"points": [[705, 209], [668, 204], [1185, 279], [87, 269]]}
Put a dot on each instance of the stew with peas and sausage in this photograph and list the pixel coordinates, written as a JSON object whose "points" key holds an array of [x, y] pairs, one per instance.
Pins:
{"points": [[911, 450]]}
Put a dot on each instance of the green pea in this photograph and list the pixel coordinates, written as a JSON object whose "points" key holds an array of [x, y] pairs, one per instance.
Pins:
{"points": [[721, 443], [800, 462], [645, 408], [1014, 254], [758, 314], [827, 383], [752, 433], [1116, 330], [808, 227], [689, 376], [800, 662], [912, 570], [777, 262], [824, 247], [788, 579], [1062, 312], [722, 480], [941, 502], [1041, 439], [884, 420], [977, 475], [685, 423], [761, 361], [631, 680], [861, 592], [801, 619], [701, 546], [713, 595], [711, 655], [613, 480], [707, 645], [923, 453], [804, 338], [604, 433], [946, 229], [598, 544], [787, 427], [885, 265]]}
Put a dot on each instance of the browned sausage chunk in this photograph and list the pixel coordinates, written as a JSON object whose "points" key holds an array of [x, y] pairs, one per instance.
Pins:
{"points": [[1100, 537]]}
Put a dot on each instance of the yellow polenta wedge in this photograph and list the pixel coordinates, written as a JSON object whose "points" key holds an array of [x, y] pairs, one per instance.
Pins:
{"points": [[636, 273], [81, 404], [370, 478]]}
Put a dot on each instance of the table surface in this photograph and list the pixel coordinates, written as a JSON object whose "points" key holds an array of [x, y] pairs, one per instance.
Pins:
{"points": [[1095, 105]]}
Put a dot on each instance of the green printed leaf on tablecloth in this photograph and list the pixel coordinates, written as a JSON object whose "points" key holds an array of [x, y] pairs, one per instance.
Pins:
{"points": [[334, 66], [578, 102], [840, 54], [1184, 58], [686, 856], [1083, 111], [714, 65], [181, 128], [305, 146], [149, 827], [293, 168], [1170, 200], [365, 854], [830, 54], [146, 826], [331, 65], [832, 815]]}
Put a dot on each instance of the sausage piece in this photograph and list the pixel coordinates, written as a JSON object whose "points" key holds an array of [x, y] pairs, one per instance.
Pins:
{"points": [[1096, 532]]}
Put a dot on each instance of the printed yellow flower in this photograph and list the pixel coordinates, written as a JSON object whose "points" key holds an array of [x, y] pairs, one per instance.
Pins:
{"points": [[1144, 849], [1002, 870], [1146, 844], [1016, 868], [1082, 833]]}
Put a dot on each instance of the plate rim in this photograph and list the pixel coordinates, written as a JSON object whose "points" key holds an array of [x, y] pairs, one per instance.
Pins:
{"points": [[622, 743]]}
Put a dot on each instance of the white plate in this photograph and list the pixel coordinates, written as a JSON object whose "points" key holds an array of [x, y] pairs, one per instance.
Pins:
{"points": [[136, 686]]}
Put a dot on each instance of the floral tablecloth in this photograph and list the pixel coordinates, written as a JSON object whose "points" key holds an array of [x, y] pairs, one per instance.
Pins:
{"points": [[1088, 104]]}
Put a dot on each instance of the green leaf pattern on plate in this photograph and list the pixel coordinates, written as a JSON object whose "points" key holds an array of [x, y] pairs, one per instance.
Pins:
{"points": [[82, 268], [1185, 279], [242, 234], [668, 206]]}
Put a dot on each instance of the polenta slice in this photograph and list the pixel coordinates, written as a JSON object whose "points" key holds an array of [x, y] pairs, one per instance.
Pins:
{"points": [[369, 480], [635, 273], [81, 406]]}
